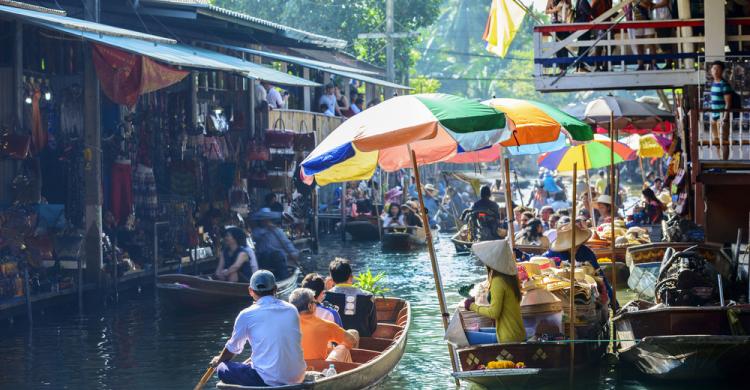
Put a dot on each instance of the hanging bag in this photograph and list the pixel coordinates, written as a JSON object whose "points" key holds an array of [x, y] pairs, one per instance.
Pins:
{"points": [[278, 136], [304, 140], [257, 151]]}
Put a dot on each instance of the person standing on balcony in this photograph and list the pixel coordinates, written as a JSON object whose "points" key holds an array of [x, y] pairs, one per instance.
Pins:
{"points": [[662, 10], [721, 101], [560, 11], [273, 97], [641, 11], [329, 100]]}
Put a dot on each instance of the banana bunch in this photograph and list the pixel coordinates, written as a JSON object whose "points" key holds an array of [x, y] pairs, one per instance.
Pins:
{"points": [[504, 364]]}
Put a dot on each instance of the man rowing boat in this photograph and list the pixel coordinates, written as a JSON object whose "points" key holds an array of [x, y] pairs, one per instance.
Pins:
{"points": [[272, 328]]}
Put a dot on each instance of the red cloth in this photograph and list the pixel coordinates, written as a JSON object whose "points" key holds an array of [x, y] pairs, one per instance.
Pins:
{"points": [[124, 76], [122, 192], [38, 134]]}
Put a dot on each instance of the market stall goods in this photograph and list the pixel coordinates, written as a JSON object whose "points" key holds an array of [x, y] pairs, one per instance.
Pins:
{"points": [[202, 292], [375, 358]]}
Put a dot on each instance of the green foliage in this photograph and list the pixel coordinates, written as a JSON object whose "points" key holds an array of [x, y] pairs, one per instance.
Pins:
{"points": [[371, 283], [422, 84], [345, 19]]}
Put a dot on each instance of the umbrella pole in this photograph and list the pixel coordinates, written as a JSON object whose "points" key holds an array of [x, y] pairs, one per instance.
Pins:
{"points": [[343, 211], [588, 188], [511, 237], [433, 257], [643, 174], [571, 298], [614, 189]]}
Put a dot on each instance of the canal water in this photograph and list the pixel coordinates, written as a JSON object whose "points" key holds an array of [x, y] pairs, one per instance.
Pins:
{"points": [[139, 343]]}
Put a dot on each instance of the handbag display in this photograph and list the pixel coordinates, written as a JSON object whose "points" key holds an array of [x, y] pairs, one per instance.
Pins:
{"points": [[304, 141], [278, 136], [257, 151]]}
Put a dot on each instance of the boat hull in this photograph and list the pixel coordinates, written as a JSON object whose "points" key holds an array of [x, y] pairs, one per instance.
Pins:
{"points": [[363, 229], [683, 343], [462, 247], [199, 292], [391, 312]]}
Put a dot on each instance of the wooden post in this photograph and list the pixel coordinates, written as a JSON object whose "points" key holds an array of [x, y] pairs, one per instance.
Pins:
{"points": [[509, 203], [572, 276], [614, 190], [18, 74], [643, 173], [315, 228], [433, 258], [343, 211], [588, 188]]}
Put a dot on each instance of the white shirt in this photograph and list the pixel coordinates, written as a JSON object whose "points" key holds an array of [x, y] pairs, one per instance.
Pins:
{"points": [[388, 220], [274, 98], [329, 101], [354, 108], [260, 93], [271, 326], [551, 235]]}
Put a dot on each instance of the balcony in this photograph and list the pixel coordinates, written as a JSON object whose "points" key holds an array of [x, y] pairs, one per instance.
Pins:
{"points": [[613, 60], [304, 122]]}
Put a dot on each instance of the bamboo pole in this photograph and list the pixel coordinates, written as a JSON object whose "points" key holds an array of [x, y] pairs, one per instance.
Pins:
{"points": [[433, 258], [643, 173], [343, 211], [509, 203], [572, 276], [613, 191], [588, 188]]}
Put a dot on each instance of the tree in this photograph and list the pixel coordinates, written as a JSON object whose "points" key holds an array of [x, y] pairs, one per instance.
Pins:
{"points": [[422, 84], [345, 19]]}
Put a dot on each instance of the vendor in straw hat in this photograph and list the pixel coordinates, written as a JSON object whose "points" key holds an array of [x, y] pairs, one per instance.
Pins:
{"points": [[560, 249], [505, 294], [409, 211]]}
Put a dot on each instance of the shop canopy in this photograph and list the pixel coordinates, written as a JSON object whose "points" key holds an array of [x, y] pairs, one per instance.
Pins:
{"points": [[344, 71], [155, 47]]}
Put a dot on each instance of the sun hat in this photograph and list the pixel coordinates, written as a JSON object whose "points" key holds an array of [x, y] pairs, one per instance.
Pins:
{"points": [[496, 255], [564, 239], [262, 281], [431, 189], [265, 214], [606, 199]]}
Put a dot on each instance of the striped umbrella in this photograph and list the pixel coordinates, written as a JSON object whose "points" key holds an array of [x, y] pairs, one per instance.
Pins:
{"points": [[435, 126], [590, 155], [648, 145]]}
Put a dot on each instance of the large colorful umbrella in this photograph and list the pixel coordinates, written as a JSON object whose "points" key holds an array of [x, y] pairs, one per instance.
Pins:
{"points": [[590, 155], [647, 146], [626, 112], [435, 126]]}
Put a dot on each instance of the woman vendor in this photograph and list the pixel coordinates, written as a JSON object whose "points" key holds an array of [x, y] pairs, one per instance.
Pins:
{"points": [[237, 260], [560, 249], [504, 295]]}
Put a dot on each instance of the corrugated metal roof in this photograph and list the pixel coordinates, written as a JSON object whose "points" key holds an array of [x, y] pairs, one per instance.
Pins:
{"points": [[189, 56], [343, 71], [313, 64], [204, 7], [79, 24]]}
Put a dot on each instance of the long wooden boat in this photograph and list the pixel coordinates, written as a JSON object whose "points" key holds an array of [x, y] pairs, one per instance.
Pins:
{"points": [[363, 228], [462, 247], [201, 292], [547, 362], [374, 360], [684, 343], [654, 252], [403, 239]]}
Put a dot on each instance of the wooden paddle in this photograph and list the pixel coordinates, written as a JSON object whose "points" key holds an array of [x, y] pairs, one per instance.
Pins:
{"points": [[209, 373]]}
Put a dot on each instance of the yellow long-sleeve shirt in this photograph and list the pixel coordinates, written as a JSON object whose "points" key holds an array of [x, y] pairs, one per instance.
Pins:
{"points": [[505, 309]]}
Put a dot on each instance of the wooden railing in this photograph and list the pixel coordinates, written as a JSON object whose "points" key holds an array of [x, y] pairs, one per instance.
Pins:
{"points": [[711, 144], [304, 122]]}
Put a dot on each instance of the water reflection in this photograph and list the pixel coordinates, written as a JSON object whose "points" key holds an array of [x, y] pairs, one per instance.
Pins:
{"points": [[142, 344]]}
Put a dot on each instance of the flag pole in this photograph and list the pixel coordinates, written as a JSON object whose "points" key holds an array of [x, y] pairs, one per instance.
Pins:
{"points": [[433, 258], [571, 297]]}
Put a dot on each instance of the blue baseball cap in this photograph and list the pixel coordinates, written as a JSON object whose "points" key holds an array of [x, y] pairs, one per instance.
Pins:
{"points": [[262, 281]]}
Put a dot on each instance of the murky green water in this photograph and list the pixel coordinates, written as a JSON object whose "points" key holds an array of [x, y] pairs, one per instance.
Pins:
{"points": [[140, 344]]}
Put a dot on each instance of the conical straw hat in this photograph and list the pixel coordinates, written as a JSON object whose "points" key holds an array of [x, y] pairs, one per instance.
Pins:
{"points": [[496, 255]]}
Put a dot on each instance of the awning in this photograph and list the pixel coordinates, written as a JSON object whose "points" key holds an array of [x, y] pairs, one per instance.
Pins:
{"points": [[340, 70], [188, 56], [79, 24]]}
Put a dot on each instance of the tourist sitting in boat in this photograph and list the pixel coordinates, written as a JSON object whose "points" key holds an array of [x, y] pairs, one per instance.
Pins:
{"points": [[604, 207], [545, 214], [560, 249], [653, 208], [410, 216], [237, 260], [272, 328], [394, 217], [430, 199], [318, 333], [326, 311], [533, 235], [485, 203], [272, 246], [362, 206], [356, 306], [504, 295]]}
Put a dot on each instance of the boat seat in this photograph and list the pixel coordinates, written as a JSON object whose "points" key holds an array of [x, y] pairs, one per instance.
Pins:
{"points": [[374, 343], [320, 365], [386, 331], [363, 355]]}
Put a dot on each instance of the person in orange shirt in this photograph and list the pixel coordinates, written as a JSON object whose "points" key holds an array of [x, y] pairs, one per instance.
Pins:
{"points": [[318, 333]]}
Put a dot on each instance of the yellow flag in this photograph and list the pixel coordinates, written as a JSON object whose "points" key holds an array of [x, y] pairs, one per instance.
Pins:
{"points": [[506, 17]]}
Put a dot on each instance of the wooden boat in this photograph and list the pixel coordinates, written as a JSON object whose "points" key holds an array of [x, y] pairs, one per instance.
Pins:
{"points": [[403, 239], [375, 358], [363, 228], [547, 362], [201, 292], [462, 247], [654, 252], [684, 343]]}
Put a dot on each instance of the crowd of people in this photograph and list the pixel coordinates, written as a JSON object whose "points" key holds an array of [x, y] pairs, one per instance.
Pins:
{"points": [[319, 322]]}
